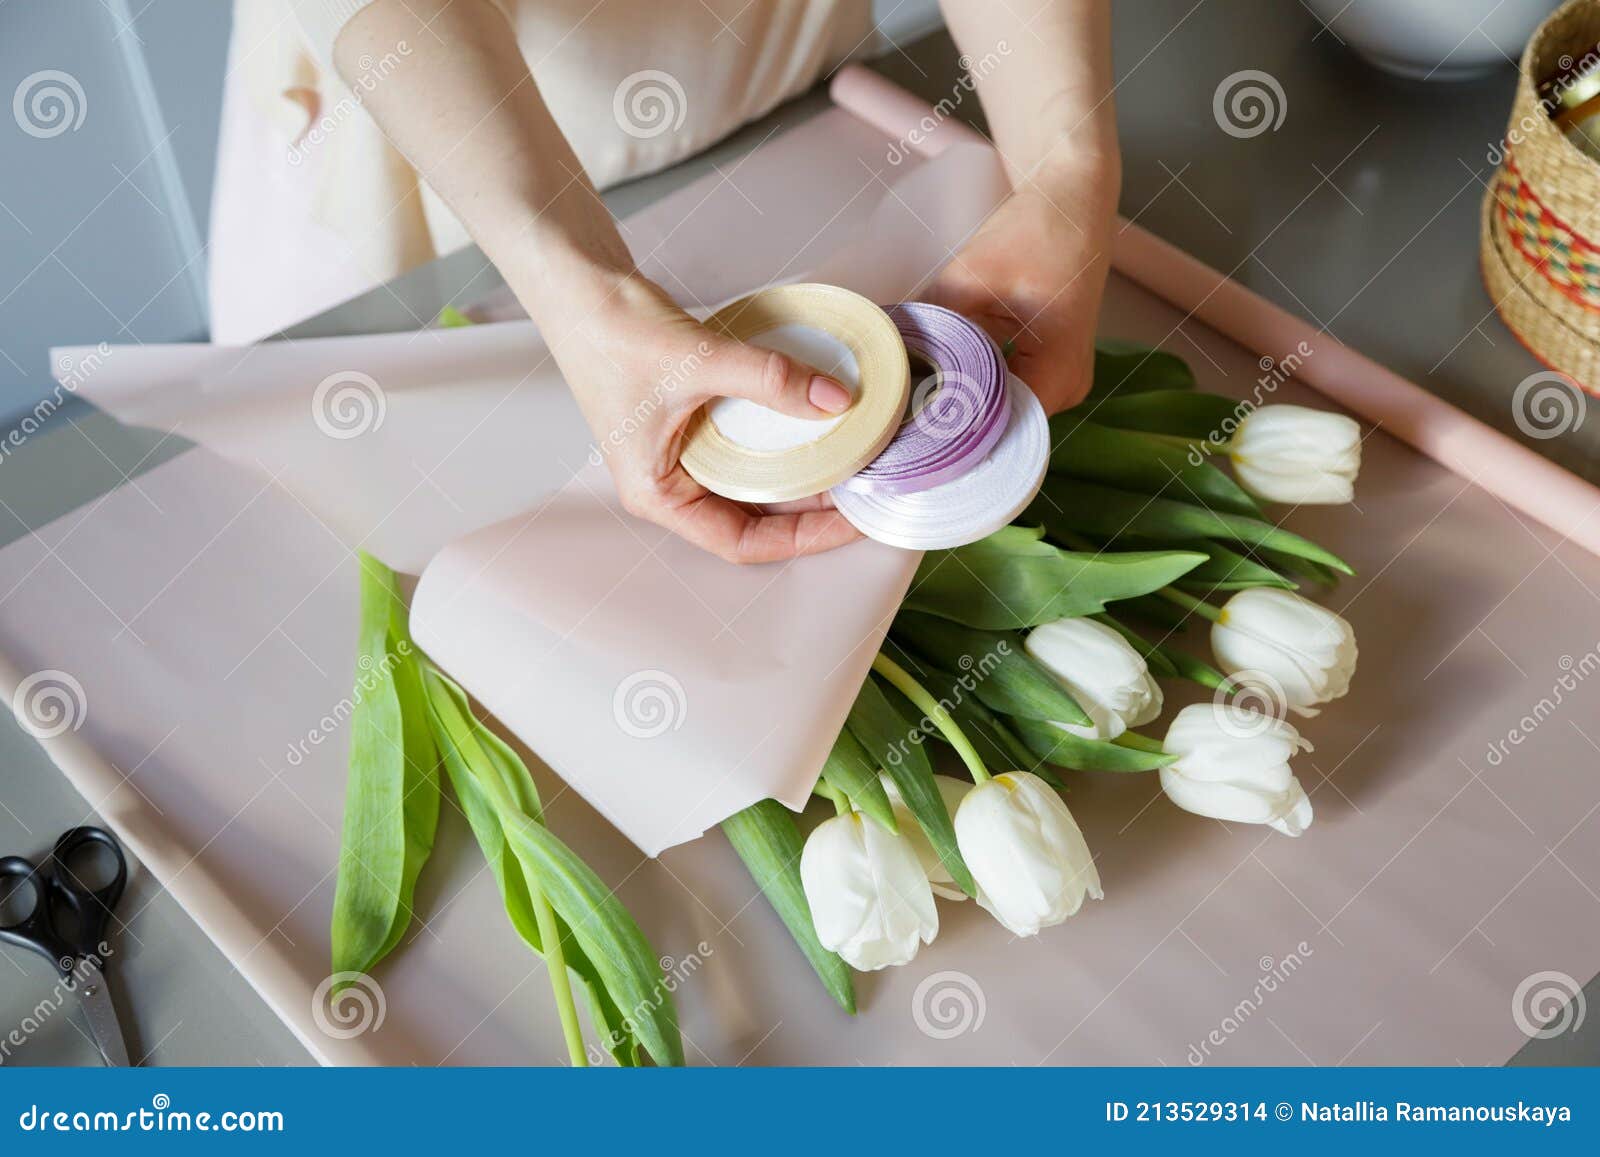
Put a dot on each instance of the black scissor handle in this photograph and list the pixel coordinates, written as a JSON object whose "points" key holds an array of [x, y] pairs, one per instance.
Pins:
{"points": [[35, 931], [93, 906]]}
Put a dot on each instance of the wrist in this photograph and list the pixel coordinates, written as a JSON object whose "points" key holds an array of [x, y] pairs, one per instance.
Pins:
{"points": [[1067, 141], [561, 277], [1087, 191]]}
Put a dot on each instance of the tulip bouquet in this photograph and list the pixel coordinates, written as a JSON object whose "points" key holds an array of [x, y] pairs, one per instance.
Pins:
{"points": [[1031, 654], [1038, 652]]}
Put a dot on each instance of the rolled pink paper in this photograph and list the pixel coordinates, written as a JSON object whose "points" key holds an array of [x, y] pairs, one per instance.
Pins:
{"points": [[915, 125], [1519, 476]]}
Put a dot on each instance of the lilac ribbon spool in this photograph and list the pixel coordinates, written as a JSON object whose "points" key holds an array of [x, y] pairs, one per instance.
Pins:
{"points": [[954, 429]]}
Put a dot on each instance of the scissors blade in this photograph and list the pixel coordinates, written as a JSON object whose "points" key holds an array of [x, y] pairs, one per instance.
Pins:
{"points": [[101, 1013]]}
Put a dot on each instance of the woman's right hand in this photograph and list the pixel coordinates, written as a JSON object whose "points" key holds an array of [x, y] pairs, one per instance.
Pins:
{"points": [[640, 367]]}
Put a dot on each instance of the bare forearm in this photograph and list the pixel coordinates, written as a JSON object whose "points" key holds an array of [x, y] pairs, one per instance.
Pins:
{"points": [[469, 117], [1047, 94], [1033, 276]]}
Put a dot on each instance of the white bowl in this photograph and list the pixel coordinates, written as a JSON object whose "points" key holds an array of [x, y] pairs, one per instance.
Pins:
{"points": [[1435, 39]]}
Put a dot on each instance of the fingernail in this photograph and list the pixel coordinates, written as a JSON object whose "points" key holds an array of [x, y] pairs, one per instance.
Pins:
{"points": [[828, 395]]}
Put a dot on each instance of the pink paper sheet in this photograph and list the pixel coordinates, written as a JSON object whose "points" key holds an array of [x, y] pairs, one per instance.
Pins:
{"points": [[1448, 864]]}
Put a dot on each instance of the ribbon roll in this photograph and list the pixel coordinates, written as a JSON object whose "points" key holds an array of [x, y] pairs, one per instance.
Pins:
{"points": [[842, 445], [977, 503], [956, 426]]}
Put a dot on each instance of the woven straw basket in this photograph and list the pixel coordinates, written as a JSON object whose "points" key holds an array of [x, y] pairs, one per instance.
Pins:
{"points": [[1540, 244]]}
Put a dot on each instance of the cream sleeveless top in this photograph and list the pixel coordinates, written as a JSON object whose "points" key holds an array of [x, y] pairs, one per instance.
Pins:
{"points": [[312, 206]]}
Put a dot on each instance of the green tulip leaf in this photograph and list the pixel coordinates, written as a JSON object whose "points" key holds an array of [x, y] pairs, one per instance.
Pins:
{"points": [[851, 770], [392, 788], [612, 955], [1015, 579], [1165, 661], [1155, 611], [1133, 461], [629, 969], [473, 752], [1124, 367], [1064, 750], [1191, 414], [1195, 670], [1228, 570], [895, 743], [1303, 567], [1003, 675], [768, 841], [1068, 506], [422, 775]]}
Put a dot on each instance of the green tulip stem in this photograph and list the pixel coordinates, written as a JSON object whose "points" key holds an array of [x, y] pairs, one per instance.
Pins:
{"points": [[937, 715], [560, 981], [1189, 603], [1136, 742], [1205, 446]]}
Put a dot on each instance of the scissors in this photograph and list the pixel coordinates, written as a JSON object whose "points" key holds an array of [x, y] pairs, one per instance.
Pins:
{"points": [[67, 923]]}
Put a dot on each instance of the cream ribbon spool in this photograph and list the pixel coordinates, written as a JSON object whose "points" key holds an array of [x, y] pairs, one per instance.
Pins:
{"points": [[855, 438]]}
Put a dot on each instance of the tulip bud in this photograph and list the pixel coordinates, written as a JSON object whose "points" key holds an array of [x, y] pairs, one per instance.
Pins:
{"points": [[1279, 640], [1233, 764], [1025, 852], [870, 899], [1296, 454], [953, 791], [1101, 671]]}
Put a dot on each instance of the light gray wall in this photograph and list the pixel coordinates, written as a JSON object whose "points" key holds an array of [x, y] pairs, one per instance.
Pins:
{"points": [[103, 215]]}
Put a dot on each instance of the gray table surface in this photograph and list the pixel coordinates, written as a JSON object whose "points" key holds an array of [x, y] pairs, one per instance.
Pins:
{"points": [[1359, 212]]}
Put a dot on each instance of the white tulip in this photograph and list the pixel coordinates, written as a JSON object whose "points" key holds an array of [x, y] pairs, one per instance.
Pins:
{"points": [[953, 792], [1276, 639], [1025, 852], [1101, 671], [870, 899], [1233, 764], [1296, 454]]}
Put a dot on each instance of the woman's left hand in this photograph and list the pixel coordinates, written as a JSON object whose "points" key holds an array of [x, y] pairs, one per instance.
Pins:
{"points": [[1033, 275]]}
